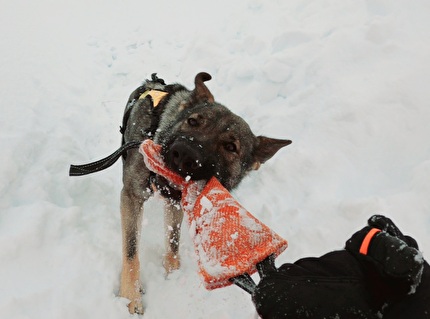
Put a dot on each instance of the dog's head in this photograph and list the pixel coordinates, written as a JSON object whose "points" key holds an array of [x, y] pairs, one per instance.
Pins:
{"points": [[205, 139]]}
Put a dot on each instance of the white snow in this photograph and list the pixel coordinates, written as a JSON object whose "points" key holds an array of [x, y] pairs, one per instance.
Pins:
{"points": [[346, 80]]}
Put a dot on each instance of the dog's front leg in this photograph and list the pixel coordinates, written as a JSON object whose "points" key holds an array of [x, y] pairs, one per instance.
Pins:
{"points": [[131, 221], [173, 216]]}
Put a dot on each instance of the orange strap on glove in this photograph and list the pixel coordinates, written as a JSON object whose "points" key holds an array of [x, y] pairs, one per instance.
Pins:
{"points": [[364, 248], [228, 240]]}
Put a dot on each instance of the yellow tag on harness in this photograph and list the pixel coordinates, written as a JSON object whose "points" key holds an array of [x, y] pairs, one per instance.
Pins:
{"points": [[156, 95]]}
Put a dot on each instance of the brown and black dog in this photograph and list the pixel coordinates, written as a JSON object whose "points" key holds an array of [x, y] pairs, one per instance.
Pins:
{"points": [[200, 138]]}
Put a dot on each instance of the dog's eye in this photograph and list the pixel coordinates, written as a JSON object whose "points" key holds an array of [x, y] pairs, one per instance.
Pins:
{"points": [[192, 122], [231, 147]]}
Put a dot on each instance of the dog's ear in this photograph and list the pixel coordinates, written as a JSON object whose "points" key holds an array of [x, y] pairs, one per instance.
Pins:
{"points": [[201, 93], [267, 147]]}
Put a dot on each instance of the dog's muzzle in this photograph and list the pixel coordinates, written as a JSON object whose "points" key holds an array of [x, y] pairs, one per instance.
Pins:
{"points": [[187, 160]]}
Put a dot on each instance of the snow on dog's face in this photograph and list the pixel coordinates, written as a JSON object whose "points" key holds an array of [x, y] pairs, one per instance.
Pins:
{"points": [[202, 138]]}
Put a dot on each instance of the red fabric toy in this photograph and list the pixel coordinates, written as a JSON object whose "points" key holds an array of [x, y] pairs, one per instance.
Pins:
{"points": [[228, 240]]}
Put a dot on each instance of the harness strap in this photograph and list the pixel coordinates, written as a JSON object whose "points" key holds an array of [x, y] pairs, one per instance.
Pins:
{"points": [[78, 170]]}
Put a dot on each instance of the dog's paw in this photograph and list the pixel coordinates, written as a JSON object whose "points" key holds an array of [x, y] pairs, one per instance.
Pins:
{"points": [[171, 262], [134, 294], [136, 306]]}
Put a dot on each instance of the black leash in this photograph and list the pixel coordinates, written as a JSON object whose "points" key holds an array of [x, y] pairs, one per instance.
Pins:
{"points": [[78, 170]]}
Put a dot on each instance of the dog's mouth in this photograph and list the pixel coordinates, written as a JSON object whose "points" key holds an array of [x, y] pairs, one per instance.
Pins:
{"points": [[188, 161]]}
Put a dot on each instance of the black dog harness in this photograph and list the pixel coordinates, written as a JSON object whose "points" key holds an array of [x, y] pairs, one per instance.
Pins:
{"points": [[156, 96]]}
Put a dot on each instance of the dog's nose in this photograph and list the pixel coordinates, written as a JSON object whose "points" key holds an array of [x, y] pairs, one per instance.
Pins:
{"points": [[185, 159]]}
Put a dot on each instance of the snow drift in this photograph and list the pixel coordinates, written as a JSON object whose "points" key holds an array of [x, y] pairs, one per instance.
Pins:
{"points": [[347, 81]]}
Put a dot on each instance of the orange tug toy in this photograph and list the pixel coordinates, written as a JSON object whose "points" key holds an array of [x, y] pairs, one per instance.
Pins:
{"points": [[229, 242]]}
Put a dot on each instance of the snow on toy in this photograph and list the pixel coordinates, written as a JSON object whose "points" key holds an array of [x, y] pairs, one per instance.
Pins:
{"points": [[228, 240]]}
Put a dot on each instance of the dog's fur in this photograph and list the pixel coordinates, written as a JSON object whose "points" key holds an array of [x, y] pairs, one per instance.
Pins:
{"points": [[200, 138]]}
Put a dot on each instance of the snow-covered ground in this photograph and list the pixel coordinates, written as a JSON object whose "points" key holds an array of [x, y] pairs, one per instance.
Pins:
{"points": [[346, 80]]}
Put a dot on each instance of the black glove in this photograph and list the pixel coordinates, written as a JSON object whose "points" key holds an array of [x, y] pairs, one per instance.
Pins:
{"points": [[386, 224], [388, 251]]}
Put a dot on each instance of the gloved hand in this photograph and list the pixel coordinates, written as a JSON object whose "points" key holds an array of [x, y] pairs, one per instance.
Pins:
{"points": [[383, 245], [384, 223]]}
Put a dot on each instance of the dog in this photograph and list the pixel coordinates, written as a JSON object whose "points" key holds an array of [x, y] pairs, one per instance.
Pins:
{"points": [[200, 138]]}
